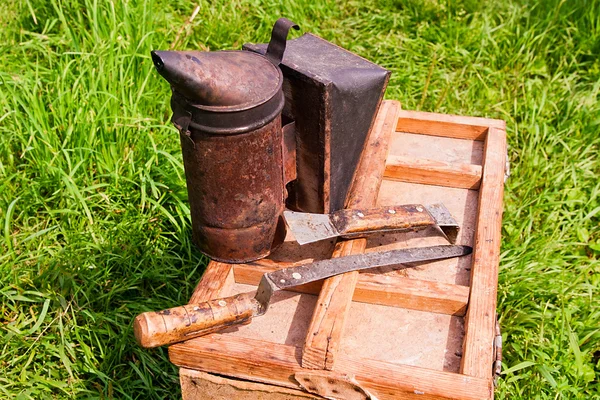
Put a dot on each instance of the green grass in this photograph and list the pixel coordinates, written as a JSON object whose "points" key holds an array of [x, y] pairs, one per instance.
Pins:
{"points": [[93, 216]]}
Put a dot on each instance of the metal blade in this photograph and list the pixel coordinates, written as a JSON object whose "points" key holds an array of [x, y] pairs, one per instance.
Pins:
{"points": [[308, 228], [295, 276], [445, 221]]}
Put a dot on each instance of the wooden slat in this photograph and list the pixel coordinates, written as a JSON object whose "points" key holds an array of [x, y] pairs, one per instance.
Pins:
{"points": [[479, 327], [327, 323], [325, 331], [430, 172], [217, 278], [277, 363], [453, 126], [414, 294], [395, 291]]}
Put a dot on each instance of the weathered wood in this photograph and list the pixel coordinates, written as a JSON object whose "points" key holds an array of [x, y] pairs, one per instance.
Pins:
{"points": [[216, 279], [332, 385], [368, 176], [453, 126], [333, 117], [159, 328], [357, 221], [413, 294], [198, 385], [327, 324], [481, 317], [431, 172], [277, 364], [239, 354], [395, 291], [153, 329]]}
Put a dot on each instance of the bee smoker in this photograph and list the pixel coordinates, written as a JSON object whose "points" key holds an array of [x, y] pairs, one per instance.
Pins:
{"points": [[227, 107]]}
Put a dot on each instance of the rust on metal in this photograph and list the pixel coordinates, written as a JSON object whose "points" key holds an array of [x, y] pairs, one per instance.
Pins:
{"points": [[236, 191], [278, 41], [289, 152], [333, 95], [497, 366], [227, 107], [174, 325], [353, 223]]}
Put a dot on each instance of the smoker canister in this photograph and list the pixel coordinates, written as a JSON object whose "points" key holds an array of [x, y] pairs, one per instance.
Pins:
{"points": [[227, 107]]}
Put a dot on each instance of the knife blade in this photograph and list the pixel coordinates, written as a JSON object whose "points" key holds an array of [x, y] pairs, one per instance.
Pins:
{"points": [[308, 227], [153, 329]]}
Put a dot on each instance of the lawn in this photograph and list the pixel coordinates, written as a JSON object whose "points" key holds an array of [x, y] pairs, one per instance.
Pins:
{"points": [[93, 216]]}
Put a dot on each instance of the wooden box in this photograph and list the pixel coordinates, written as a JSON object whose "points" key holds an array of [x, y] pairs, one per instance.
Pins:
{"points": [[425, 332]]}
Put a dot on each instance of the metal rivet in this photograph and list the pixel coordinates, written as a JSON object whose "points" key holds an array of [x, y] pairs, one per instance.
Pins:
{"points": [[222, 303], [419, 209], [392, 211], [296, 275], [360, 214], [282, 281]]}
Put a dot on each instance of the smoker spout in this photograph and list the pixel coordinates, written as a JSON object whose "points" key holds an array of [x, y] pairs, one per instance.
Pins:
{"points": [[159, 64], [237, 79]]}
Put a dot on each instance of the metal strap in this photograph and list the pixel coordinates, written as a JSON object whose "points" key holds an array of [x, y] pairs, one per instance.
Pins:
{"points": [[507, 168], [182, 120], [497, 366], [279, 34]]}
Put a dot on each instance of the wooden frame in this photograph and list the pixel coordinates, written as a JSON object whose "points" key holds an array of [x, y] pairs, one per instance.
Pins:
{"points": [[276, 364]]}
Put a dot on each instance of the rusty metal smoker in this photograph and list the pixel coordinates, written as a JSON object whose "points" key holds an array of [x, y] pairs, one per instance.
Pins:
{"points": [[227, 107]]}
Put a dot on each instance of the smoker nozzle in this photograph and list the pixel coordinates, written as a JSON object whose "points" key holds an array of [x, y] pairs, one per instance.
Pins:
{"points": [[219, 78], [158, 62]]}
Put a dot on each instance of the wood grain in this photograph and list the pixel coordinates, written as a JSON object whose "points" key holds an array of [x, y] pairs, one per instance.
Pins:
{"points": [[198, 385], [413, 294], [481, 313], [276, 364], [217, 278], [389, 290], [159, 328], [327, 324], [430, 172], [402, 217], [331, 385], [454, 126]]}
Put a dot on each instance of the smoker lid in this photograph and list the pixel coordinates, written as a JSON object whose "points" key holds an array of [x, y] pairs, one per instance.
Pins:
{"points": [[220, 81]]}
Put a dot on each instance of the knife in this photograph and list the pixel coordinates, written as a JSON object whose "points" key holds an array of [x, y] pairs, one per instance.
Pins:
{"points": [[153, 329], [308, 228]]}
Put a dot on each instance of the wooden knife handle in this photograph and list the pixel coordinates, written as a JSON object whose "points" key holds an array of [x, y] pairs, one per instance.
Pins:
{"points": [[158, 328], [357, 221]]}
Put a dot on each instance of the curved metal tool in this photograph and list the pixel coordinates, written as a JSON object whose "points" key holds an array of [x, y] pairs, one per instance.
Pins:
{"points": [[177, 324], [308, 228]]}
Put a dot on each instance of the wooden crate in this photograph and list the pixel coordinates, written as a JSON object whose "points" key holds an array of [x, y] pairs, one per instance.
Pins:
{"points": [[422, 333]]}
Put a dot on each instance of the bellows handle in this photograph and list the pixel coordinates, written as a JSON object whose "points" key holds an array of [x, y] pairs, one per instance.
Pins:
{"points": [[159, 328]]}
